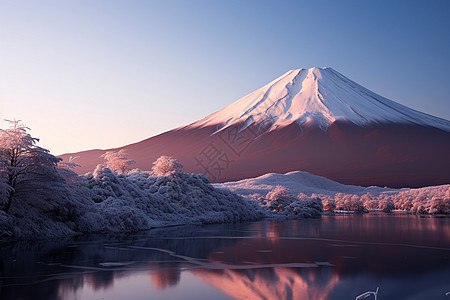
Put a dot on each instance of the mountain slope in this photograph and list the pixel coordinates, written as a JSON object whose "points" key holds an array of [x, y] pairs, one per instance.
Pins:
{"points": [[314, 120]]}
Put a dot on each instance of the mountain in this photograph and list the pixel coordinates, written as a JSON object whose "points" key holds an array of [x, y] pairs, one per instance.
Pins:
{"points": [[315, 120]]}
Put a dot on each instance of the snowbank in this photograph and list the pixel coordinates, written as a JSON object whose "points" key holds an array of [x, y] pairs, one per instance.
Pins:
{"points": [[139, 201], [104, 201]]}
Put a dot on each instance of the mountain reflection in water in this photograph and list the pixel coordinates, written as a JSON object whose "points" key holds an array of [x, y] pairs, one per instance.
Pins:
{"points": [[334, 257]]}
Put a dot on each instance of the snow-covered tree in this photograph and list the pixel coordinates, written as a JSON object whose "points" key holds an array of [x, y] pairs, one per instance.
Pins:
{"points": [[369, 201], [278, 198], [328, 203], [387, 205], [118, 161], [438, 205], [22, 163], [166, 166]]}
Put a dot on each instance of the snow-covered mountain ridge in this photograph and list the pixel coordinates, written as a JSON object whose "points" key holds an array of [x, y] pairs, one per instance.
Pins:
{"points": [[317, 96]]}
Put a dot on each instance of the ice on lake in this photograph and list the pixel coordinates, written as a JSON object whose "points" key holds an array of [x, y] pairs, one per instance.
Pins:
{"points": [[332, 257]]}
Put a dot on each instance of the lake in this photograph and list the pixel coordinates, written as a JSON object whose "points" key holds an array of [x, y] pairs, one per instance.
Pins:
{"points": [[332, 257]]}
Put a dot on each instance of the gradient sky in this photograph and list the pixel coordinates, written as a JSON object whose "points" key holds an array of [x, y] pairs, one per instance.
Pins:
{"points": [[101, 74]]}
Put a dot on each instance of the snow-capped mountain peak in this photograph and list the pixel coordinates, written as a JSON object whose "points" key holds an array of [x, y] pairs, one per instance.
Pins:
{"points": [[317, 96]]}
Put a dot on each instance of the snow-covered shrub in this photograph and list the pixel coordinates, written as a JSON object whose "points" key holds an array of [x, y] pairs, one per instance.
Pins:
{"points": [[307, 208], [118, 161], [140, 200], [278, 198], [281, 204], [166, 166]]}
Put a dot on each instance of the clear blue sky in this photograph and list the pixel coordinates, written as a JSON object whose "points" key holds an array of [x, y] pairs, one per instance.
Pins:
{"points": [[99, 74]]}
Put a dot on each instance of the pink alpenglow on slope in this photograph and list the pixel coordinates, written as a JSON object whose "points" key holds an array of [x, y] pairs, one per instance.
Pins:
{"points": [[315, 120]]}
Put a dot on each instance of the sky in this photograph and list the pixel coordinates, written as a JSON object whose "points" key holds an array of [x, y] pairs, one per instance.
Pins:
{"points": [[103, 74]]}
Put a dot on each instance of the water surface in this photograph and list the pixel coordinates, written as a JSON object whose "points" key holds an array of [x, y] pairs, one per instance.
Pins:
{"points": [[333, 257]]}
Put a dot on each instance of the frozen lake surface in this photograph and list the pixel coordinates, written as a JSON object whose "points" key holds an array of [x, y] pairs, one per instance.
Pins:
{"points": [[333, 257]]}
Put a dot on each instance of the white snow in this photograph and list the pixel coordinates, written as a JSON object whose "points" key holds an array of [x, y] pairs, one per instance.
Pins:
{"points": [[104, 201], [297, 182], [320, 96]]}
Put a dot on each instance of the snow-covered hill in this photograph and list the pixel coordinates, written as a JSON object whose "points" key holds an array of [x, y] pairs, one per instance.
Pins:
{"points": [[298, 182], [320, 96]]}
